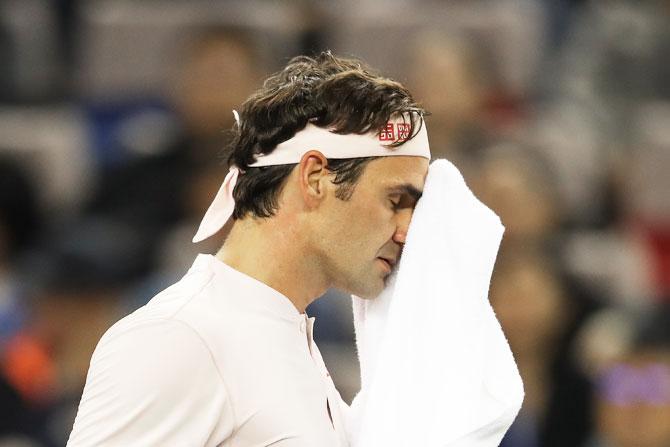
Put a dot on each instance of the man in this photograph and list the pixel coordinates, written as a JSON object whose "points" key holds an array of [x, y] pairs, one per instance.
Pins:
{"points": [[327, 164]]}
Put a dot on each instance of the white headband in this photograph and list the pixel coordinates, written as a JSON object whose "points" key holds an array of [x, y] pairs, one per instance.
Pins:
{"points": [[331, 145]]}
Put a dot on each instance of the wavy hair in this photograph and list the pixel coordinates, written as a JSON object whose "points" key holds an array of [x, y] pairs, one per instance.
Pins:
{"points": [[342, 94]]}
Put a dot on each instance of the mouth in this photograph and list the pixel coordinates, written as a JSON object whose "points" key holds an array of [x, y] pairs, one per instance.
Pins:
{"points": [[389, 263]]}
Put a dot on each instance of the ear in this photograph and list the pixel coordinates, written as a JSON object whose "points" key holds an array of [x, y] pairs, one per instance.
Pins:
{"points": [[313, 177]]}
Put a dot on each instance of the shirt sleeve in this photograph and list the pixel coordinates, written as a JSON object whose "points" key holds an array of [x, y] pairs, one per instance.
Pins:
{"points": [[150, 385]]}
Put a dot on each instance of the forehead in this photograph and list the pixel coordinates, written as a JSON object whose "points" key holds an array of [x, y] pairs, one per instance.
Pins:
{"points": [[387, 172]]}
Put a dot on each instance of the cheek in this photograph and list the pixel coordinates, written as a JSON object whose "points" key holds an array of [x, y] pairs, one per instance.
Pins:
{"points": [[359, 226], [366, 234], [376, 224]]}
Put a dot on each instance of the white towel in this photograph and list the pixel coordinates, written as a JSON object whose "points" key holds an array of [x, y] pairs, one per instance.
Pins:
{"points": [[436, 369]]}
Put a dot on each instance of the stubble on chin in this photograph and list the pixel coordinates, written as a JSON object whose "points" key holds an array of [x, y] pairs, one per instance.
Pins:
{"points": [[372, 289], [368, 286]]}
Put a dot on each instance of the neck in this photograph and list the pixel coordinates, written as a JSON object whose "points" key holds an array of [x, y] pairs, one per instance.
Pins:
{"points": [[269, 250]]}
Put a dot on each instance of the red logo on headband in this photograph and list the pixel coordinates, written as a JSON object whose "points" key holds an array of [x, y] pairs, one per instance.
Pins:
{"points": [[403, 131], [387, 133]]}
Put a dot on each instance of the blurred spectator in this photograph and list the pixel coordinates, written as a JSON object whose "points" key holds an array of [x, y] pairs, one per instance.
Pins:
{"points": [[19, 219], [77, 283], [630, 260], [520, 187], [613, 58], [632, 391], [538, 318], [448, 79], [222, 69], [161, 186], [19, 223], [32, 66], [644, 190]]}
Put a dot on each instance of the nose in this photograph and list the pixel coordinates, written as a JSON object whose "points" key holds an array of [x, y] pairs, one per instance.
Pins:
{"points": [[400, 236], [402, 225]]}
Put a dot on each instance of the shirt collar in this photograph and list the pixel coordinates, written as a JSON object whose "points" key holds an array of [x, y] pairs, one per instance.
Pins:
{"points": [[261, 295]]}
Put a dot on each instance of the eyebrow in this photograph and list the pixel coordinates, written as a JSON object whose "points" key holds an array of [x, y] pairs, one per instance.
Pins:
{"points": [[406, 188]]}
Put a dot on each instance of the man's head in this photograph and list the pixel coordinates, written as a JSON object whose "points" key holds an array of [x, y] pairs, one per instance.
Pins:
{"points": [[216, 57], [351, 212]]}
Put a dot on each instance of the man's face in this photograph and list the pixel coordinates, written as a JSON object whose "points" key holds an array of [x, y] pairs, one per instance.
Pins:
{"points": [[356, 235]]}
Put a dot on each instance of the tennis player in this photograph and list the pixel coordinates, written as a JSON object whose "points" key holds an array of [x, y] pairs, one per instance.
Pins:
{"points": [[328, 161]]}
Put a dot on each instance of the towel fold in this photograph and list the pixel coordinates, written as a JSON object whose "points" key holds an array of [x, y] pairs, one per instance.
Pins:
{"points": [[436, 369]]}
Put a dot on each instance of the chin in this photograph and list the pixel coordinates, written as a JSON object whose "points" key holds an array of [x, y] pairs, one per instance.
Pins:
{"points": [[364, 282], [369, 291], [368, 297]]}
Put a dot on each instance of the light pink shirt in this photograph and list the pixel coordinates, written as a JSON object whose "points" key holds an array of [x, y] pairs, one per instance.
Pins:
{"points": [[217, 359]]}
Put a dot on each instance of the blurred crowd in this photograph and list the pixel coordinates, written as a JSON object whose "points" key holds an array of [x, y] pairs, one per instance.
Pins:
{"points": [[113, 114]]}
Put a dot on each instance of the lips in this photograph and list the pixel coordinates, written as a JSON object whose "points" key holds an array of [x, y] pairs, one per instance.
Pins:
{"points": [[390, 261], [386, 265]]}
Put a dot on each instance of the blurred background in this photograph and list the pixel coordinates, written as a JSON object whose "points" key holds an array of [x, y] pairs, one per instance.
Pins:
{"points": [[113, 114]]}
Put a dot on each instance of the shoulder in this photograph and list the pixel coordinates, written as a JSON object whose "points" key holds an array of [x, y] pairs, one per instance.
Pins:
{"points": [[146, 375], [173, 328], [163, 311], [152, 346], [156, 361]]}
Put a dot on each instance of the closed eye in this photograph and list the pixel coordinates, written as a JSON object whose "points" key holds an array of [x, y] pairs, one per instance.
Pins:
{"points": [[403, 201], [403, 196]]}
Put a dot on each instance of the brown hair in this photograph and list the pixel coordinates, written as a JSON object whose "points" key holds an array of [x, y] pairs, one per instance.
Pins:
{"points": [[341, 94]]}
